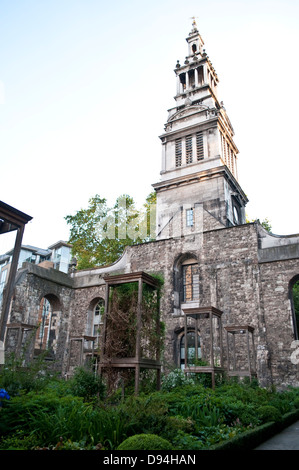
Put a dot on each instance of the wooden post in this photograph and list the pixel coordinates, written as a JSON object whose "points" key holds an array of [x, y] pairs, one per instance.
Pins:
{"points": [[138, 336], [196, 338], [248, 352], [186, 345], [221, 344], [10, 284], [212, 340]]}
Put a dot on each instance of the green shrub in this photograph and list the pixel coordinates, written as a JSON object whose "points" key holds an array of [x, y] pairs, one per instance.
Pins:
{"points": [[239, 413], [18, 441], [178, 423], [147, 413], [86, 384], [268, 413], [145, 442], [15, 378], [186, 441], [49, 418], [174, 379]]}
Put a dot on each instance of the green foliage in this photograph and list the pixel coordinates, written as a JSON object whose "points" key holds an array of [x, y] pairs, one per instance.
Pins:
{"points": [[86, 384], [99, 234], [174, 379], [145, 442], [175, 424], [267, 413], [15, 378], [19, 440], [48, 418], [265, 223], [148, 413], [186, 441], [189, 417]]}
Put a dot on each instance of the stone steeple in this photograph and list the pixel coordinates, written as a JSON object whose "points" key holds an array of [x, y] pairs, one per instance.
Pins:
{"points": [[199, 156]]}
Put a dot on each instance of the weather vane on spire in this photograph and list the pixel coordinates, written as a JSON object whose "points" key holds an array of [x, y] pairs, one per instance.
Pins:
{"points": [[194, 22]]}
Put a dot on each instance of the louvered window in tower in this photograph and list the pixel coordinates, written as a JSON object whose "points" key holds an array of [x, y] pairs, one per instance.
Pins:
{"points": [[223, 149], [178, 152], [189, 149], [232, 162], [199, 146], [228, 161]]}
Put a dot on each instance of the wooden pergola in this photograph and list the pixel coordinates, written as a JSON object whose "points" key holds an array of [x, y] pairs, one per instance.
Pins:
{"points": [[215, 365], [137, 362], [81, 340], [244, 331], [11, 219], [21, 329]]}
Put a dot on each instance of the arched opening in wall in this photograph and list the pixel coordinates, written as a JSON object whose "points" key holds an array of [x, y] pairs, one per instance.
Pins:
{"points": [[191, 349], [48, 321], [186, 280], [95, 314], [294, 299]]}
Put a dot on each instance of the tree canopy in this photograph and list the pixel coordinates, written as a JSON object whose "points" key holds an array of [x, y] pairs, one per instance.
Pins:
{"points": [[99, 233], [265, 223]]}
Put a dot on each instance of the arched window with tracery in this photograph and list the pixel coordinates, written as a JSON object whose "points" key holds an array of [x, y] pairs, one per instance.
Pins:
{"points": [[98, 316], [186, 280], [95, 314], [190, 272], [48, 320]]}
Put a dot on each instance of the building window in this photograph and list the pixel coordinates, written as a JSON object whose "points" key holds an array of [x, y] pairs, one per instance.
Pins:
{"points": [[191, 356], [189, 149], [178, 152], [189, 217], [199, 146], [190, 282], [2, 282], [98, 317]]}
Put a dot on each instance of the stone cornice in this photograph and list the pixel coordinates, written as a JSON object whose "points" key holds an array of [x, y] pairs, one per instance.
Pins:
{"points": [[198, 176]]}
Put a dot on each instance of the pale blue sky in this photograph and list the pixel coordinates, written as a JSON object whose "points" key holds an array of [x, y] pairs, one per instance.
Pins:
{"points": [[85, 86]]}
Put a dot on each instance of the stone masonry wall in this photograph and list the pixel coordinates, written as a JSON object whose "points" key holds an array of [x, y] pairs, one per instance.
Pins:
{"points": [[234, 277], [32, 284], [275, 281]]}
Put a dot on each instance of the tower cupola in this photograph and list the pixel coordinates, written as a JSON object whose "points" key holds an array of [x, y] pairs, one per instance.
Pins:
{"points": [[199, 155]]}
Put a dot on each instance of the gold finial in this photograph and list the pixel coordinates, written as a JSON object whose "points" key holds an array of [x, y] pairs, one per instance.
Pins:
{"points": [[194, 22]]}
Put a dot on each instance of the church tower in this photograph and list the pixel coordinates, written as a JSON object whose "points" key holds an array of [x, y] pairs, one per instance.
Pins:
{"points": [[198, 189]]}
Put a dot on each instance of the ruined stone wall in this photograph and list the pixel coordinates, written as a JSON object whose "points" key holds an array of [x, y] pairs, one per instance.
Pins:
{"points": [[32, 284], [236, 277], [232, 280], [280, 328], [229, 280]]}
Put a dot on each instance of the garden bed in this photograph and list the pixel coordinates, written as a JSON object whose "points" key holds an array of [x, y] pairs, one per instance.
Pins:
{"points": [[44, 412], [249, 440]]}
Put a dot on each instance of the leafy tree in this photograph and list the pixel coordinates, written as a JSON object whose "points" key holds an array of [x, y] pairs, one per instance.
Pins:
{"points": [[265, 223], [99, 234]]}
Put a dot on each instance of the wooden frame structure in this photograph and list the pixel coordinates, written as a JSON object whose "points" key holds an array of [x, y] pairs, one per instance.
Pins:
{"points": [[137, 362], [81, 339], [198, 313], [21, 327], [11, 219], [235, 371]]}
